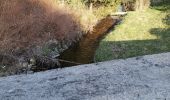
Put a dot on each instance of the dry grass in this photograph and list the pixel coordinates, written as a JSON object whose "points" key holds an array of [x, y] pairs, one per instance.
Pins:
{"points": [[26, 23], [28, 26]]}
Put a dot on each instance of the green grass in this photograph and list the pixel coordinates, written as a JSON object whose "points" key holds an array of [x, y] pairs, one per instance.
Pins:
{"points": [[140, 33]]}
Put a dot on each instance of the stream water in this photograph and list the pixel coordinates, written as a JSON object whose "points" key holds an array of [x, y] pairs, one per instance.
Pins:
{"points": [[83, 51]]}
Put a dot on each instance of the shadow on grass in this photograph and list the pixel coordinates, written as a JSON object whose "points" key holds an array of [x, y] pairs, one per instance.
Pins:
{"points": [[163, 6], [125, 49]]}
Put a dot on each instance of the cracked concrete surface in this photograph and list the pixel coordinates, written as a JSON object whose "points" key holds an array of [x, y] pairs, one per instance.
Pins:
{"points": [[139, 78]]}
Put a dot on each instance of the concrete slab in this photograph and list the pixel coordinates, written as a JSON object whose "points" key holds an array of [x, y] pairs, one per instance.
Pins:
{"points": [[139, 78], [119, 14]]}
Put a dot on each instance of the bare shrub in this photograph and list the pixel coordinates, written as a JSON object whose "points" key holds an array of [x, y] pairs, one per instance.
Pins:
{"points": [[27, 23], [29, 26]]}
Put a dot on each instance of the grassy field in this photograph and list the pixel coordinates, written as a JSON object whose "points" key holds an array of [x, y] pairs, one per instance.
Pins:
{"points": [[140, 33]]}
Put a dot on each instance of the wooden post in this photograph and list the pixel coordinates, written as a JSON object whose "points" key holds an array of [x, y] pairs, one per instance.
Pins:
{"points": [[142, 4], [137, 5], [91, 7], [62, 3]]}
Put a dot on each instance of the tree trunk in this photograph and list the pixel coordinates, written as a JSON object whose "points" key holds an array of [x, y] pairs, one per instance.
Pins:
{"points": [[91, 7], [142, 4], [62, 3], [147, 3], [137, 5]]}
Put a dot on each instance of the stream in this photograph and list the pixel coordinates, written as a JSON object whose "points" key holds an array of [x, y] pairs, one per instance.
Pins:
{"points": [[83, 52]]}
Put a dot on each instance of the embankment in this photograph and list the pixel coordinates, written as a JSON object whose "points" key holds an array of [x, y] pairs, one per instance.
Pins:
{"points": [[139, 78]]}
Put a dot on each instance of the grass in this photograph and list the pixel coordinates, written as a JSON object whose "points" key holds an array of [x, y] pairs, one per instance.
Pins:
{"points": [[140, 33]]}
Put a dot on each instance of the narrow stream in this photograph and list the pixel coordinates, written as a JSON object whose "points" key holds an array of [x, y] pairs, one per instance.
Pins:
{"points": [[83, 51]]}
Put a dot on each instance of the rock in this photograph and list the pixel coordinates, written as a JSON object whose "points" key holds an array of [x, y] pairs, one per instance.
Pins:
{"points": [[141, 78]]}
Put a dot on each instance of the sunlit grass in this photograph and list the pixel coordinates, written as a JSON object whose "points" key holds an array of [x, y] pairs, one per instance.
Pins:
{"points": [[136, 26], [139, 33]]}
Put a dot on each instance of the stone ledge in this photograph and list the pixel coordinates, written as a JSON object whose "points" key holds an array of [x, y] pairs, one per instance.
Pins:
{"points": [[140, 78]]}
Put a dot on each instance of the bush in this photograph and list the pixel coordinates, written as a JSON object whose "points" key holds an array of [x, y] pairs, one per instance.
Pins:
{"points": [[29, 23], [34, 29]]}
